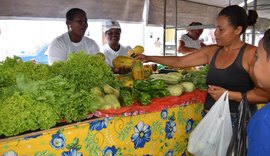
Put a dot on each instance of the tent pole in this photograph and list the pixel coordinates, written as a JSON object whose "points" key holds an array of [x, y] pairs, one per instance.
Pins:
{"points": [[175, 29], [164, 27], [253, 28], [244, 33]]}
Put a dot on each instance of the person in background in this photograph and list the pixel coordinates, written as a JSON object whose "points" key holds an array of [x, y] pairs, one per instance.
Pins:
{"points": [[190, 42], [158, 45], [230, 61], [259, 125], [113, 48], [73, 40]]}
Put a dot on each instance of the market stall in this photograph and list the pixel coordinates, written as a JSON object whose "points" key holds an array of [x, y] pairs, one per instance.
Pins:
{"points": [[69, 108], [132, 130]]}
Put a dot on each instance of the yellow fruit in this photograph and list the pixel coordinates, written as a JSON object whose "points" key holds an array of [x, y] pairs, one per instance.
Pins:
{"points": [[131, 53], [126, 79], [148, 70], [138, 71], [138, 49], [127, 82], [123, 62]]}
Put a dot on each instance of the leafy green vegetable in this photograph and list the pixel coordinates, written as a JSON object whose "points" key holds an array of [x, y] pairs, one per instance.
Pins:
{"points": [[126, 98], [86, 71], [198, 77], [11, 67], [20, 113], [41, 95], [144, 98], [157, 84], [80, 104], [141, 85], [159, 93]]}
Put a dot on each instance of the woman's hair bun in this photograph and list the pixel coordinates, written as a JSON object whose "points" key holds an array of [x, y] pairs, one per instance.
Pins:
{"points": [[252, 17]]}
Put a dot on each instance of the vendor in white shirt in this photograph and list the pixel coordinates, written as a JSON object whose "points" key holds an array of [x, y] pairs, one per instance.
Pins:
{"points": [[113, 48], [74, 40], [190, 42]]}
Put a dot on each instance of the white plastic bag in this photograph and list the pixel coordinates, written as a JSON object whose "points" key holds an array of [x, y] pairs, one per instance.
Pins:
{"points": [[212, 135]]}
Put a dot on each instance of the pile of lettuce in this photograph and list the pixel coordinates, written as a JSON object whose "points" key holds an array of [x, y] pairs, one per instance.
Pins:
{"points": [[38, 96]]}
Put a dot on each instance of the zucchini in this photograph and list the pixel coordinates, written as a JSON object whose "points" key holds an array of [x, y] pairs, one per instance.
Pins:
{"points": [[110, 90], [168, 78], [112, 100]]}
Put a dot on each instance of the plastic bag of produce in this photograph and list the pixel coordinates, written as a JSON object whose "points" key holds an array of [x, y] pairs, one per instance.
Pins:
{"points": [[213, 134]]}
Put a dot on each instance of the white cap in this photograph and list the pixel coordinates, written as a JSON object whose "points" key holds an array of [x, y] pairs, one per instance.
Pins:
{"points": [[111, 24]]}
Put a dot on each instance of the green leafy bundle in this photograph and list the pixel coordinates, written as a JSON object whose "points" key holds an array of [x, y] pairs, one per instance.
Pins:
{"points": [[11, 67], [198, 77], [85, 71], [20, 113], [37, 96]]}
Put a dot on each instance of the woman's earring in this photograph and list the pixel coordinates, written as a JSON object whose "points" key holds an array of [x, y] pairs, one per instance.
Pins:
{"points": [[69, 28]]}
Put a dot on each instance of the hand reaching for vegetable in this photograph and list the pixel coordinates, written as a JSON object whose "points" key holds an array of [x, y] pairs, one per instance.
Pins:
{"points": [[215, 91], [142, 57]]}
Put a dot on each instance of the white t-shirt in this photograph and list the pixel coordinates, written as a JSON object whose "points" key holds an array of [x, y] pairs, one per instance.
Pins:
{"points": [[111, 54], [189, 42], [62, 46]]}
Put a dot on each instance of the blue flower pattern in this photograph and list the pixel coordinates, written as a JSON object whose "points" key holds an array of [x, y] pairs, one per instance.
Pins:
{"points": [[33, 136], [164, 114], [189, 125], [141, 136], [58, 141], [10, 153], [109, 151], [71, 152], [99, 124], [169, 153], [170, 129], [184, 154]]}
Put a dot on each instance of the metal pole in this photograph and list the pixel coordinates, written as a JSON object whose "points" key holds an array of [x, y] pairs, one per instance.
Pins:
{"points": [[253, 28], [164, 27], [244, 33], [175, 28]]}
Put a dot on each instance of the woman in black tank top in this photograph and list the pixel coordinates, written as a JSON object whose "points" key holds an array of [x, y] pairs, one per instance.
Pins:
{"points": [[230, 61], [232, 78]]}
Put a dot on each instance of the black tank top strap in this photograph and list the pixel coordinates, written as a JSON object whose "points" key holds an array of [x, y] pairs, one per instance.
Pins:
{"points": [[213, 60], [240, 55]]}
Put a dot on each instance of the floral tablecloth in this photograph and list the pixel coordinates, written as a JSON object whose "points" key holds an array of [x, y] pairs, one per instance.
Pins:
{"points": [[159, 133]]}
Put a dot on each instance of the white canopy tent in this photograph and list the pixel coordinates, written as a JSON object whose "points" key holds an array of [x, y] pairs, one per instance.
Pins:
{"points": [[131, 10], [176, 14]]}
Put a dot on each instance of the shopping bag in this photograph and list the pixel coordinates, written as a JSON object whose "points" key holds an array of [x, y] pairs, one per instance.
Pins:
{"points": [[238, 144], [213, 134]]}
